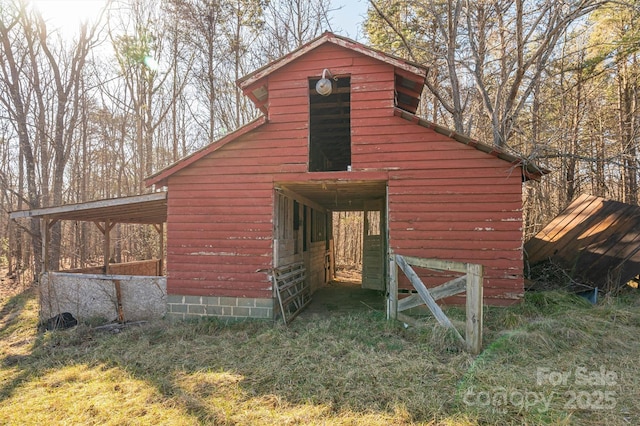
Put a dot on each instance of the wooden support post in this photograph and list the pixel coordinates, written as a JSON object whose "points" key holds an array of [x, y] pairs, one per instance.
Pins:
{"points": [[44, 236], [474, 308], [106, 247], [160, 228], [106, 232], [119, 300], [392, 298]]}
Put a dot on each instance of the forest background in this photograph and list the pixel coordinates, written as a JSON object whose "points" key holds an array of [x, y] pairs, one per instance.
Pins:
{"points": [[88, 114]]}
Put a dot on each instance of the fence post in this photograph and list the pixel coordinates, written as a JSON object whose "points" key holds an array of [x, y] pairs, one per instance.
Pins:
{"points": [[392, 297], [473, 336]]}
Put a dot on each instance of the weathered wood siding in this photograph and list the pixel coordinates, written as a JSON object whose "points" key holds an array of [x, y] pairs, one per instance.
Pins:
{"points": [[316, 261], [149, 268], [446, 200]]}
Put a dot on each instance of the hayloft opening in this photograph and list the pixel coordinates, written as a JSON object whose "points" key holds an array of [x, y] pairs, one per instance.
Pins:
{"points": [[330, 127]]}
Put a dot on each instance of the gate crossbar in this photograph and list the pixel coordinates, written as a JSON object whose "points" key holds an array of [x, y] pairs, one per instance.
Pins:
{"points": [[471, 282]]}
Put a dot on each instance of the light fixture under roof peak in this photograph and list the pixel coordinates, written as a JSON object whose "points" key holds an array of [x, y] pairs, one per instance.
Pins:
{"points": [[324, 86]]}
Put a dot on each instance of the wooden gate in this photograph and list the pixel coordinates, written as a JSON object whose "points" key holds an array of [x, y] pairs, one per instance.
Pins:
{"points": [[471, 283], [292, 290]]}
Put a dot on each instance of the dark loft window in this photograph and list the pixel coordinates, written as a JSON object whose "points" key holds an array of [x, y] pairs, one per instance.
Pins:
{"points": [[330, 127]]}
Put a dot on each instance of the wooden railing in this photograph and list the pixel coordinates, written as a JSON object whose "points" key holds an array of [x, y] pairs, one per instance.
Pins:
{"points": [[150, 268], [471, 282]]}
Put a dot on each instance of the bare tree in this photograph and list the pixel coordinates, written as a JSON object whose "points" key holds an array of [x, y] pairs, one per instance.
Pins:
{"points": [[291, 23], [503, 47]]}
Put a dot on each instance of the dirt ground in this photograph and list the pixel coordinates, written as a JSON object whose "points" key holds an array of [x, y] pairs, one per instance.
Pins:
{"points": [[344, 297], [349, 275]]}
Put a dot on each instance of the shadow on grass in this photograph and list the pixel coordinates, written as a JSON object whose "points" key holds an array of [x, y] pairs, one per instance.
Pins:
{"points": [[17, 337], [350, 369], [12, 308]]}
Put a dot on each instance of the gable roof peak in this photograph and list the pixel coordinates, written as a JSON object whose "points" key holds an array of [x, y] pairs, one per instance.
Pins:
{"points": [[339, 40], [254, 85]]}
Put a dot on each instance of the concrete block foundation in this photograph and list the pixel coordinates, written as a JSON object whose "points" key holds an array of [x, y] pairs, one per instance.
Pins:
{"points": [[233, 308]]}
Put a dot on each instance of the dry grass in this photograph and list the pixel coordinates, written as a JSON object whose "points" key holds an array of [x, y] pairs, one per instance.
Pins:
{"points": [[344, 370]]}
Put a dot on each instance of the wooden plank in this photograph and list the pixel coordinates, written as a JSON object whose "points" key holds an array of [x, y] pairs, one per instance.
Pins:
{"points": [[246, 220], [392, 297], [229, 227], [499, 216], [44, 235], [291, 279], [437, 264], [426, 297], [119, 300], [412, 301], [444, 195], [198, 266], [255, 254], [189, 192], [469, 245], [256, 211], [435, 177], [474, 308], [450, 288], [515, 254], [487, 235], [418, 156], [247, 169], [469, 226]]}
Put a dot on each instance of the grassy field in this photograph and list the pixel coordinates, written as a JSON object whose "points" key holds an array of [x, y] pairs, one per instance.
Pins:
{"points": [[554, 359]]}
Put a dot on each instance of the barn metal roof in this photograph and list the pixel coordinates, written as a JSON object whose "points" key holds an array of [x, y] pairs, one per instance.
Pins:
{"points": [[140, 209], [597, 240]]}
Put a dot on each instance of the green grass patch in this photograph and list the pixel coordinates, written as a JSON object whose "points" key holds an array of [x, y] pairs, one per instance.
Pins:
{"points": [[551, 360]]}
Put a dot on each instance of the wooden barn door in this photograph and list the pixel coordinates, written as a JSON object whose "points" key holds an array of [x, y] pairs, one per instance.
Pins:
{"points": [[373, 242]]}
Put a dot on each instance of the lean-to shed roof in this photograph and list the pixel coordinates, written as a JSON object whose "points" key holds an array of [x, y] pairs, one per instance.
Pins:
{"points": [[597, 240], [140, 209]]}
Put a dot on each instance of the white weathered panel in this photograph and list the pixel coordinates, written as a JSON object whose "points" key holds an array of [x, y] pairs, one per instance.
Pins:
{"points": [[94, 296]]}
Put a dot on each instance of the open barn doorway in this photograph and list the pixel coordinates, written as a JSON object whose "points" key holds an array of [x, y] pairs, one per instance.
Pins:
{"points": [[348, 227], [359, 245], [323, 226]]}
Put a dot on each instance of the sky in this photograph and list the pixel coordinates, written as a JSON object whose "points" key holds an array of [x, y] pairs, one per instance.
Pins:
{"points": [[347, 16], [347, 19], [69, 12]]}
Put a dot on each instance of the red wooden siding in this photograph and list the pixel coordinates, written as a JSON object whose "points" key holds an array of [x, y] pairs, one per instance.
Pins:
{"points": [[450, 201], [219, 231], [446, 200]]}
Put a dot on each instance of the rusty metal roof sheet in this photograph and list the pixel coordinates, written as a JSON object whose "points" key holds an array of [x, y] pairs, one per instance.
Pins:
{"points": [[596, 240]]}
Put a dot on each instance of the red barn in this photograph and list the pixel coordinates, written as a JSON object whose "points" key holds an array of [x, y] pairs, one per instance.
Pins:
{"points": [[260, 199]]}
